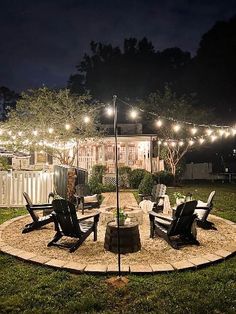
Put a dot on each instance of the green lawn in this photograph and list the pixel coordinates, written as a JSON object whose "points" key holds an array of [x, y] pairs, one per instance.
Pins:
{"points": [[26, 288]]}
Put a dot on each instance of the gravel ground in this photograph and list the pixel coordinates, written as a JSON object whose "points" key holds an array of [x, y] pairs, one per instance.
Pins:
{"points": [[152, 251]]}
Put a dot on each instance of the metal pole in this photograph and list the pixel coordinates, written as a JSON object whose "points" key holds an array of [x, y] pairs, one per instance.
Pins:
{"points": [[117, 184]]}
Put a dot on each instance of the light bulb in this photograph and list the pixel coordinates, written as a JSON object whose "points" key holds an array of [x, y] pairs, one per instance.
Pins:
{"points": [[165, 144], [233, 131], [176, 128], [133, 114], [209, 132], [35, 132], [159, 123], [194, 131], [50, 130], [227, 134], [159, 142], [86, 119], [110, 111], [201, 140], [181, 143], [20, 133], [191, 142], [67, 126], [213, 138], [221, 132]]}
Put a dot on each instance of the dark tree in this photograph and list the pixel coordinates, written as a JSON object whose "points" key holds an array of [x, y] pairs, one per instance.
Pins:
{"points": [[133, 72], [214, 68], [8, 100]]}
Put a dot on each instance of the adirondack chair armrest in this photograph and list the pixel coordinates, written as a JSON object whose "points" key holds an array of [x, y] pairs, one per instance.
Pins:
{"points": [[41, 206], [154, 214], [96, 216], [143, 195]]}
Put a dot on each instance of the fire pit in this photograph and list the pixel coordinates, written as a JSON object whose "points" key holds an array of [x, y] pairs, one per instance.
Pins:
{"points": [[135, 214]]}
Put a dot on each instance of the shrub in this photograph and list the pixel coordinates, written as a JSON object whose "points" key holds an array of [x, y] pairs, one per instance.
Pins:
{"points": [[136, 177], [146, 185], [108, 188], [4, 165], [164, 177], [95, 186], [99, 171], [124, 176]]}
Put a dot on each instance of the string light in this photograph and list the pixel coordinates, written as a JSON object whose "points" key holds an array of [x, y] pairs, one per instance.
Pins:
{"points": [[194, 131], [173, 144], [67, 126], [1, 132], [86, 119], [20, 133], [233, 131], [133, 114], [165, 144], [201, 141], [176, 128], [35, 132], [221, 132], [227, 134], [159, 123], [159, 142], [50, 130], [181, 143], [191, 142], [209, 131], [9, 133], [213, 138], [110, 111]]}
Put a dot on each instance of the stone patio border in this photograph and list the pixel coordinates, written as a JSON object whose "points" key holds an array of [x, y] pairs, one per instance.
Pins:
{"points": [[192, 263]]}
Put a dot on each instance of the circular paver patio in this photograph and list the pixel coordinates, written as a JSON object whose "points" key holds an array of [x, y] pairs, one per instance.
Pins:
{"points": [[155, 255]]}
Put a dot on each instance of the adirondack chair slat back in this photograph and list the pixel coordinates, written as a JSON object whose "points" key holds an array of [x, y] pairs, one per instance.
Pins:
{"points": [[32, 213], [183, 218], [210, 198], [160, 190], [27, 198], [66, 217]]}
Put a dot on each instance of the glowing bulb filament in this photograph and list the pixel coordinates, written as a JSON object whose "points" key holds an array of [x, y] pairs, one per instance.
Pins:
{"points": [[176, 128], [159, 123]]}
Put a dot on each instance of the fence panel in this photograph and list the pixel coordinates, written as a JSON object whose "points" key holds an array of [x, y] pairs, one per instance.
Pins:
{"points": [[12, 184]]}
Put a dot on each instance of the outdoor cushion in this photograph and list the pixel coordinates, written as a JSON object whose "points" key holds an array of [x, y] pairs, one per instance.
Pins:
{"points": [[91, 198]]}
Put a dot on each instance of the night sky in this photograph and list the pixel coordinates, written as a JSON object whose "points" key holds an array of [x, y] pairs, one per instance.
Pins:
{"points": [[43, 40]]}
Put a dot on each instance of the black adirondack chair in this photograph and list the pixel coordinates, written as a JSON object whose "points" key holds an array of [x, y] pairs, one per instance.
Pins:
{"points": [[67, 224], [203, 210], [37, 222], [178, 230]]}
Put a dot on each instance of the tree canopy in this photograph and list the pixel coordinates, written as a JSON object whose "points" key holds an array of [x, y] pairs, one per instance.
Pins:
{"points": [[138, 69], [52, 121]]}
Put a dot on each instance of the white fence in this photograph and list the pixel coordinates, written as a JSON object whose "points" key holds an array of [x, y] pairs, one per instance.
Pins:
{"points": [[86, 162], [12, 184]]}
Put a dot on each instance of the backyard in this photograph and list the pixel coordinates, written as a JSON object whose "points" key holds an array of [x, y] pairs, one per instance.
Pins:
{"points": [[32, 289]]}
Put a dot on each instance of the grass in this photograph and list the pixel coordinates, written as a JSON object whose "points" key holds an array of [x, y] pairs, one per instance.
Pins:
{"points": [[26, 288]]}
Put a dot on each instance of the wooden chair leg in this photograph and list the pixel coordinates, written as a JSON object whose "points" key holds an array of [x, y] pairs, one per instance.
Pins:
{"points": [[56, 238]]}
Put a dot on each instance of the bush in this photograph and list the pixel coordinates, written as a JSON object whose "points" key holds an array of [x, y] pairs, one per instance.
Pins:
{"points": [[98, 171], [124, 176], [146, 185], [95, 186], [108, 188], [165, 177], [136, 177]]}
